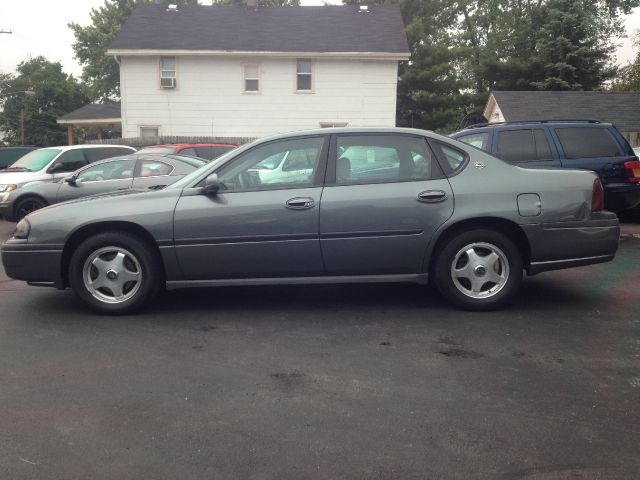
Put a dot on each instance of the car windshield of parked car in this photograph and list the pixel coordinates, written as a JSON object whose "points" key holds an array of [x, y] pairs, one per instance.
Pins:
{"points": [[189, 178], [194, 162], [157, 150], [36, 160]]}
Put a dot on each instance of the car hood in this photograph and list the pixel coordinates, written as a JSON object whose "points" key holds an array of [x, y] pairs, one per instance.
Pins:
{"points": [[102, 196], [17, 177]]}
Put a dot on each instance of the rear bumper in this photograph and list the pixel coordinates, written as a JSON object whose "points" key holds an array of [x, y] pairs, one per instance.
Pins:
{"points": [[573, 244], [618, 197], [35, 264]]}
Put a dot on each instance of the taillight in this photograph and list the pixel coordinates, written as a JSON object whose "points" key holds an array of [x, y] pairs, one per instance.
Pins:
{"points": [[633, 170], [597, 199]]}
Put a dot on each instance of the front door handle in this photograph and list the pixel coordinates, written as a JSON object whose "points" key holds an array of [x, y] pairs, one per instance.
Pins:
{"points": [[432, 196], [300, 203]]}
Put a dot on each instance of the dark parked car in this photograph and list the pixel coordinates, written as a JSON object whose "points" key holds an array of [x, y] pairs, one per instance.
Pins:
{"points": [[8, 155], [586, 145], [377, 205], [114, 174], [208, 151]]}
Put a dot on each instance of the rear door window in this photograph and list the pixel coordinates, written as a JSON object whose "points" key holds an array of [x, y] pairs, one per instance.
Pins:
{"points": [[524, 145], [383, 158], [587, 142]]}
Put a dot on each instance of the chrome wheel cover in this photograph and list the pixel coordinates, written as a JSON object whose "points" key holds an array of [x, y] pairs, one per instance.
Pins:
{"points": [[480, 270], [112, 275]]}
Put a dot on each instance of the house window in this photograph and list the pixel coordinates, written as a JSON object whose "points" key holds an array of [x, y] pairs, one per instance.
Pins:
{"points": [[149, 132], [251, 78], [167, 72], [303, 75]]}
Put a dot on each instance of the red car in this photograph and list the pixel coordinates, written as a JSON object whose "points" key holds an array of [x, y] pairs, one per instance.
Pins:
{"points": [[208, 151]]}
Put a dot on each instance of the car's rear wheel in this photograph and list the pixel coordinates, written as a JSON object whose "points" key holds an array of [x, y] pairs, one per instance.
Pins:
{"points": [[28, 205], [115, 273], [478, 269]]}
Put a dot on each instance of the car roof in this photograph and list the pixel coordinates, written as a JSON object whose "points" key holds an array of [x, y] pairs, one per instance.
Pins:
{"points": [[65, 148], [494, 125], [190, 145], [150, 156]]}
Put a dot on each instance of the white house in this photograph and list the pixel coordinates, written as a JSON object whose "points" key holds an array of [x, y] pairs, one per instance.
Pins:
{"points": [[246, 71]]}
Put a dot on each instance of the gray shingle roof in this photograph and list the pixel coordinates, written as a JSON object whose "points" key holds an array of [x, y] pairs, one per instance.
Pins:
{"points": [[94, 111], [620, 108], [264, 29]]}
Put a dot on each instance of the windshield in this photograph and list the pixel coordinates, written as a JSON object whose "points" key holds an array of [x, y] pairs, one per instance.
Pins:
{"points": [[193, 161], [157, 150], [187, 179], [36, 160]]}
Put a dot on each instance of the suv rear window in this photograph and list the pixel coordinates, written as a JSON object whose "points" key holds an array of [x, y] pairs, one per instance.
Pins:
{"points": [[528, 145], [587, 142]]}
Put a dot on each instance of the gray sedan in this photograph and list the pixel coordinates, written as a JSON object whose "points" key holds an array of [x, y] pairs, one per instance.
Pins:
{"points": [[113, 174], [365, 205]]}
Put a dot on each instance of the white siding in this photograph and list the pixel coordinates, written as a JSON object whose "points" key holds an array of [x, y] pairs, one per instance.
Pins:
{"points": [[209, 99]]}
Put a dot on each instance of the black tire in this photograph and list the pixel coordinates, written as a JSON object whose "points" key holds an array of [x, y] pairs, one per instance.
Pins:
{"points": [[27, 205], [488, 265], [112, 263]]}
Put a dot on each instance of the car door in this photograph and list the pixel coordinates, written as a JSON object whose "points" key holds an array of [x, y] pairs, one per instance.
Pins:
{"points": [[103, 177], [384, 199], [251, 229]]}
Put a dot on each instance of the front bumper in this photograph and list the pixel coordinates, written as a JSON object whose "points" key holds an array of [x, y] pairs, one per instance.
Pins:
{"points": [[35, 264], [572, 244], [5, 211]]}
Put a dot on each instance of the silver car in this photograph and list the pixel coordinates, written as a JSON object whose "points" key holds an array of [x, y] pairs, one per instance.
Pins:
{"points": [[137, 171], [378, 205]]}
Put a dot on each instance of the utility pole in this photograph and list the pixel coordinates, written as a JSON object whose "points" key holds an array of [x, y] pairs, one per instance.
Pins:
{"points": [[22, 125]]}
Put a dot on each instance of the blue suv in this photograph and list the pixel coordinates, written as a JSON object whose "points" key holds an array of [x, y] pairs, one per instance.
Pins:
{"points": [[588, 145]]}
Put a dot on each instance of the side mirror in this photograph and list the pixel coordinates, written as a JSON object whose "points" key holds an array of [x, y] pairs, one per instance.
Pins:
{"points": [[211, 185], [72, 180]]}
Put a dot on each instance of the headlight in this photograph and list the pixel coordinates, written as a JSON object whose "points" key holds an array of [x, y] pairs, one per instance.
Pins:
{"points": [[7, 187], [22, 229]]}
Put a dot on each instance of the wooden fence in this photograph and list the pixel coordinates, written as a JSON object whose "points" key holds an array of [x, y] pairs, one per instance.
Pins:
{"points": [[139, 142]]}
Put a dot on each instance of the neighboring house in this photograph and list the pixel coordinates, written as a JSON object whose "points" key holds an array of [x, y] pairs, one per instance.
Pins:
{"points": [[619, 108], [247, 71], [101, 116]]}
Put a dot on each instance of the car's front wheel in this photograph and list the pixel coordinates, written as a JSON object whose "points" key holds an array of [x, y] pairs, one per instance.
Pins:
{"points": [[115, 273], [478, 269], [28, 205]]}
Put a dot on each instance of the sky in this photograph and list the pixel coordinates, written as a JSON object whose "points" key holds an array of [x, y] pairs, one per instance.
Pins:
{"points": [[40, 28]]}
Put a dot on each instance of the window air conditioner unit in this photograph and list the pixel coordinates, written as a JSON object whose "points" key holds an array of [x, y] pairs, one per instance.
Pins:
{"points": [[168, 82]]}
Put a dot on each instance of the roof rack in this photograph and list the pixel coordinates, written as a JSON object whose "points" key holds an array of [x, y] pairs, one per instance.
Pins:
{"points": [[526, 122]]}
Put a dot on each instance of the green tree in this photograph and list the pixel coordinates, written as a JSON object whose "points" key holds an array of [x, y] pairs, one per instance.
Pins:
{"points": [[33, 99], [628, 78], [99, 71], [261, 3]]}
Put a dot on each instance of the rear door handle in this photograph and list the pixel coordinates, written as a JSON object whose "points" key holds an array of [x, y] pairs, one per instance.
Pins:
{"points": [[432, 196], [300, 203]]}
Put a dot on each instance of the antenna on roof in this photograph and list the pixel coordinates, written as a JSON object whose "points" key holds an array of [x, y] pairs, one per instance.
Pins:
{"points": [[364, 9]]}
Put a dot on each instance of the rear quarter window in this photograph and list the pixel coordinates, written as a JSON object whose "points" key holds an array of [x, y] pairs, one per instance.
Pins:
{"points": [[452, 160], [478, 140], [587, 142]]}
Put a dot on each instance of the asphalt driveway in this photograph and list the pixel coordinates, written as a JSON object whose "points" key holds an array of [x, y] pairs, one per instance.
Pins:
{"points": [[327, 382]]}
